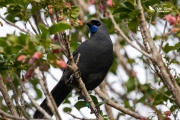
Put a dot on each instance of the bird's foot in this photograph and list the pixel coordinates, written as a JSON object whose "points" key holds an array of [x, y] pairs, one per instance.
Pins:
{"points": [[79, 73], [97, 111]]}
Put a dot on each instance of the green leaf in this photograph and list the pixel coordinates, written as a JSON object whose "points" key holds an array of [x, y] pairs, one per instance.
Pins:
{"points": [[1, 49], [133, 25], [158, 99], [121, 10], [75, 11], [130, 84], [80, 104], [43, 29], [129, 5], [59, 27], [67, 109], [167, 48], [95, 100]]}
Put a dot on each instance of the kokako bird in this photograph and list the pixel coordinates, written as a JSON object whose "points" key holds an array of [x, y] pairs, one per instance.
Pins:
{"points": [[96, 57]]}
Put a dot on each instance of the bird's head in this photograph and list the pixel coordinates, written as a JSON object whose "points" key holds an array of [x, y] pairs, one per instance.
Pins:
{"points": [[93, 25]]}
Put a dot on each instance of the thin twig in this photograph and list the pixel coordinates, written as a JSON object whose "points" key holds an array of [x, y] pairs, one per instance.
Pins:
{"points": [[108, 108], [116, 106], [163, 37], [7, 98], [50, 101], [32, 27], [160, 67], [82, 86], [33, 101], [12, 24], [20, 110], [13, 117], [125, 37]]}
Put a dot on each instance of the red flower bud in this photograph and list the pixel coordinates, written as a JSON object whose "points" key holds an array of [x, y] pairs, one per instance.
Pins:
{"points": [[37, 55], [8, 79], [134, 73], [49, 6], [61, 64], [109, 2], [92, 2], [175, 30], [68, 5], [50, 11], [60, 18], [167, 113], [171, 19], [80, 22], [21, 58]]}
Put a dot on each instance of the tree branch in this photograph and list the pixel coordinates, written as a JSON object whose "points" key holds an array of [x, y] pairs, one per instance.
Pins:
{"points": [[33, 101], [161, 69], [116, 106], [82, 86], [7, 98], [50, 101], [12, 24], [125, 37]]}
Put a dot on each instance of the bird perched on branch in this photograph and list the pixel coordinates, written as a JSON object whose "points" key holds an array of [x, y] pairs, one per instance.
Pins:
{"points": [[96, 57]]}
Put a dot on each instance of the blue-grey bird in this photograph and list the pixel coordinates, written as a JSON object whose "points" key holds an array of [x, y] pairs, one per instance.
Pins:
{"points": [[96, 57]]}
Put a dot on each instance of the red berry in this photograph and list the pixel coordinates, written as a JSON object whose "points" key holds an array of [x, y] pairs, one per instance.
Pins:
{"points": [[29, 73], [143, 118], [92, 2], [175, 30], [37, 55], [167, 113], [171, 19], [61, 64], [68, 5], [50, 11], [80, 22], [21, 58], [8, 79], [58, 50], [109, 2], [178, 18], [49, 6], [60, 18], [134, 73]]}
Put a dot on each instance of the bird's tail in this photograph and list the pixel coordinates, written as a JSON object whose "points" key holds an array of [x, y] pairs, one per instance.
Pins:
{"points": [[59, 93]]}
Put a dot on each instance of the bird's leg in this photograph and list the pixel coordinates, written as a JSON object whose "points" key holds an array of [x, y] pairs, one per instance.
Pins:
{"points": [[79, 72], [82, 96]]}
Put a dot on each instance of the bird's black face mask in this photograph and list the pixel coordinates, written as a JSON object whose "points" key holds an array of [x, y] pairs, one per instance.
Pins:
{"points": [[93, 25]]}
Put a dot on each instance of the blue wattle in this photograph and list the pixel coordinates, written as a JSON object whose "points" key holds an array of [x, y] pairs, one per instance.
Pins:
{"points": [[93, 28]]}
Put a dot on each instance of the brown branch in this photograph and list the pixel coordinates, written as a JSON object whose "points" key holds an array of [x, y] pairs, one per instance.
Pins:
{"points": [[13, 24], [75, 117], [125, 37], [32, 27], [20, 110], [163, 37], [158, 63], [82, 86], [12, 117], [116, 106], [50, 101], [33, 101], [121, 58], [108, 108], [7, 98]]}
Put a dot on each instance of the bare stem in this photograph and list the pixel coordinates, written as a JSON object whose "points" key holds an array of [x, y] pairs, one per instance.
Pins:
{"points": [[116, 106], [7, 98]]}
